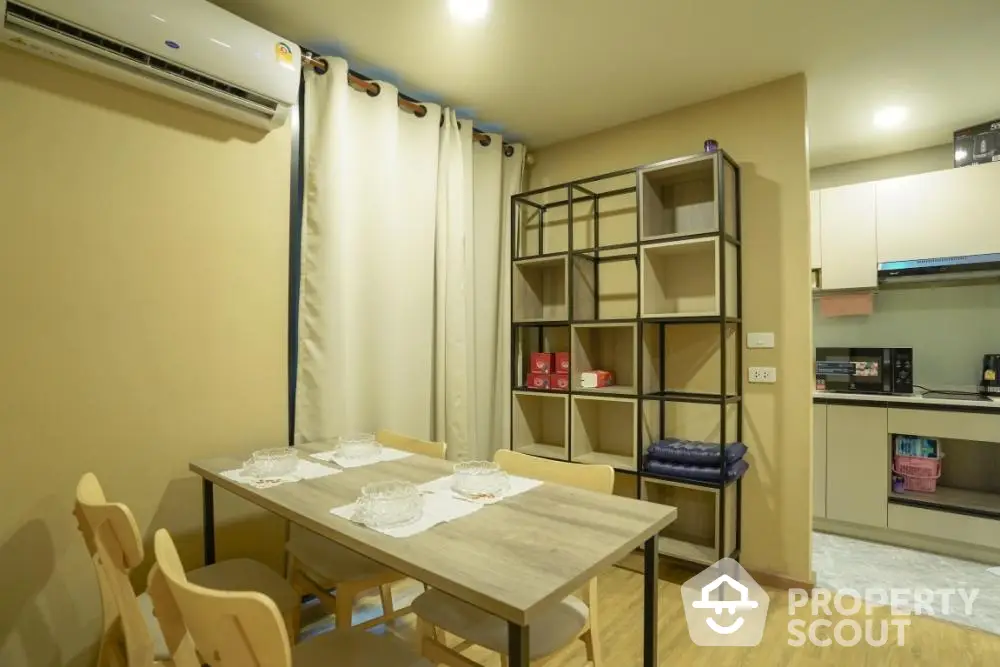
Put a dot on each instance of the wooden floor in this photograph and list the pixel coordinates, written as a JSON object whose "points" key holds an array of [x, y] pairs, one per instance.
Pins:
{"points": [[929, 642]]}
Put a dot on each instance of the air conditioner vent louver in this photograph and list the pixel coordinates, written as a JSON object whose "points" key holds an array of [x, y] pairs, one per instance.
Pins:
{"points": [[25, 16]]}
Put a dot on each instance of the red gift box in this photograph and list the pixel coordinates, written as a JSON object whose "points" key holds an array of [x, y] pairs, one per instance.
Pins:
{"points": [[538, 380], [541, 362], [562, 362], [559, 381]]}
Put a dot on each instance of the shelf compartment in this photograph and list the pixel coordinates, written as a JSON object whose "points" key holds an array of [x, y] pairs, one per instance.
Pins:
{"points": [[540, 223], [603, 431], [969, 482], [537, 338], [687, 361], [681, 279], [540, 290], [679, 198], [605, 347], [947, 499], [699, 422], [694, 536], [540, 423], [607, 287], [604, 212]]}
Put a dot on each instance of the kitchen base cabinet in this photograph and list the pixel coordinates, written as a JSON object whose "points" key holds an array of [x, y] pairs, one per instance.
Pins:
{"points": [[819, 461], [857, 465]]}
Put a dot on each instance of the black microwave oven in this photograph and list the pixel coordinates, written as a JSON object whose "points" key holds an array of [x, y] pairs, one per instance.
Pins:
{"points": [[865, 370]]}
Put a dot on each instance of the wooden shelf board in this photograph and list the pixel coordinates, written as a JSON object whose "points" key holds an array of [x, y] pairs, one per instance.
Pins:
{"points": [[948, 498], [543, 393], [610, 324], [548, 323], [681, 245], [601, 458], [707, 313], [549, 259], [695, 553], [616, 389], [680, 236], [557, 452]]}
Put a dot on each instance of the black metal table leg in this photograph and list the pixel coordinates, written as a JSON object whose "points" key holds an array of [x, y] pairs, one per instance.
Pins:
{"points": [[650, 602], [208, 520], [517, 645]]}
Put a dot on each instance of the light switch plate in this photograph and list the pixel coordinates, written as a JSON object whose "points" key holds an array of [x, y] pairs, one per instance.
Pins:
{"points": [[762, 374], [760, 340]]}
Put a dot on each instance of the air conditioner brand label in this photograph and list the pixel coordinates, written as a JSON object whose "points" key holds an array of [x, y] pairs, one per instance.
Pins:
{"points": [[283, 53]]}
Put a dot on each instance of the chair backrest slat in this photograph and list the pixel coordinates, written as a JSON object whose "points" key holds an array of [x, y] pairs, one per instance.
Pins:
{"points": [[599, 478], [228, 629], [112, 538], [388, 438]]}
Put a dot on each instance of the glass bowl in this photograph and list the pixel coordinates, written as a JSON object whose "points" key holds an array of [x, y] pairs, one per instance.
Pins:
{"points": [[479, 480], [389, 504], [271, 463], [359, 447]]}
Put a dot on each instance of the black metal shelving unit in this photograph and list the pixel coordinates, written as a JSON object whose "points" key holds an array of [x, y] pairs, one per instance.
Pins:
{"points": [[584, 265]]}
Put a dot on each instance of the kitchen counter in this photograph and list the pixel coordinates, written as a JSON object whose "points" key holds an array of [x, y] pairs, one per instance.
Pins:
{"points": [[914, 401]]}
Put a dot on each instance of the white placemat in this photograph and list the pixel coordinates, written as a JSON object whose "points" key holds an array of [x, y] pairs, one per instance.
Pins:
{"points": [[438, 508], [305, 469], [386, 454], [516, 485]]}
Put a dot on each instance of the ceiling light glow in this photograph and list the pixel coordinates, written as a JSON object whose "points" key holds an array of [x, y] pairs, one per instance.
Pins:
{"points": [[960, 155], [890, 117], [469, 11]]}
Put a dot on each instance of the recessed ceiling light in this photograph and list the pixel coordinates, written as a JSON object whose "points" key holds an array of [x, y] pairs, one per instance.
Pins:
{"points": [[890, 116], [469, 11]]}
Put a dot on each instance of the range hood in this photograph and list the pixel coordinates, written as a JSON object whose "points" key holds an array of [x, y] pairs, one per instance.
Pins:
{"points": [[940, 268]]}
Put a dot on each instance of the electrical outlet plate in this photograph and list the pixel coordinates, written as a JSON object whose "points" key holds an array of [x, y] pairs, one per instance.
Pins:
{"points": [[762, 374]]}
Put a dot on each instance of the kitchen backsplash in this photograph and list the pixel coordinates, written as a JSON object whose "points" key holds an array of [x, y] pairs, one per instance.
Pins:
{"points": [[949, 327]]}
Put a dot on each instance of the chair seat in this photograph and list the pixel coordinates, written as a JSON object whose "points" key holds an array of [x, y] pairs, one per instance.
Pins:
{"points": [[355, 648], [330, 561], [238, 574], [550, 632]]}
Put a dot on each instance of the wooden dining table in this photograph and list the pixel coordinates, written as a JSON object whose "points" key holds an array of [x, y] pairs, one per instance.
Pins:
{"points": [[512, 559]]}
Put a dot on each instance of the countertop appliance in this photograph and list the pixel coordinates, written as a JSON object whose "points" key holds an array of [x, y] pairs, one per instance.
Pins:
{"points": [[989, 380], [865, 370]]}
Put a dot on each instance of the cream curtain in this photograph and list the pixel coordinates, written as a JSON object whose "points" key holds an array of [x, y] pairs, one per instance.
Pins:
{"points": [[404, 300]]}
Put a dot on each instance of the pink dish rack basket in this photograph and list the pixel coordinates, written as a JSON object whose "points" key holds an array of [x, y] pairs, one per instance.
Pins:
{"points": [[920, 473]]}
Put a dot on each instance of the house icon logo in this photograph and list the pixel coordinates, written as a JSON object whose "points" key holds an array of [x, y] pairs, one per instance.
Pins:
{"points": [[724, 606]]}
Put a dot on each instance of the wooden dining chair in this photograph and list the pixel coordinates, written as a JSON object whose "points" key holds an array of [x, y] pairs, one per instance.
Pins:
{"points": [[555, 629], [335, 575], [244, 628], [131, 637]]}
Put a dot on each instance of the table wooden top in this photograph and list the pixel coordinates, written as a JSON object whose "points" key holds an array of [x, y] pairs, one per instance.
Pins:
{"points": [[510, 558]]}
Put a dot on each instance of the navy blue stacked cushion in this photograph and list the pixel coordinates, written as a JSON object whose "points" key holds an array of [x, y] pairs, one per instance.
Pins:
{"points": [[697, 473], [674, 450]]}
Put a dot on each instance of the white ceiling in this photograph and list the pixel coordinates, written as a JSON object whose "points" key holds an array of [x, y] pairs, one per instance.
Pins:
{"points": [[548, 70]]}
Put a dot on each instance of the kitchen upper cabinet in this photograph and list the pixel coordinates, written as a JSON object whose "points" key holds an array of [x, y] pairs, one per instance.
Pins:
{"points": [[939, 214], [819, 461], [848, 237], [814, 231], [857, 465]]}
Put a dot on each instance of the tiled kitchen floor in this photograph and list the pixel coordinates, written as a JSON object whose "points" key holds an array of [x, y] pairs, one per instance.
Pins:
{"points": [[844, 563]]}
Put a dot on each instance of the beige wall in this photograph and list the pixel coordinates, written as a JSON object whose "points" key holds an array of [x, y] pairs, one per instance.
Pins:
{"points": [[764, 129], [919, 161], [143, 281]]}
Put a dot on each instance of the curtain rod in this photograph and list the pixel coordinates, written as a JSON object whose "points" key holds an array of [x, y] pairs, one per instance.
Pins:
{"points": [[406, 103]]}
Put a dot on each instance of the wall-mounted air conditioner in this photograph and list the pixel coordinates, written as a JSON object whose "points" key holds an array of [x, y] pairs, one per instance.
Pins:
{"points": [[188, 50]]}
